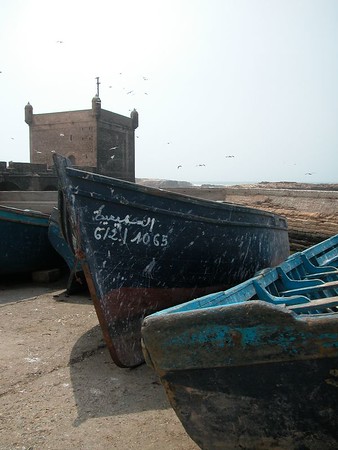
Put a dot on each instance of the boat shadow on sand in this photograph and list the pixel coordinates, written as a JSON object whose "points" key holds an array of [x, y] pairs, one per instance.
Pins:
{"points": [[22, 287], [102, 389]]}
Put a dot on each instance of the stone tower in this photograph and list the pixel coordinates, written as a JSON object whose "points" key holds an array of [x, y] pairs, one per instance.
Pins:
{"points": [[95, 138]]}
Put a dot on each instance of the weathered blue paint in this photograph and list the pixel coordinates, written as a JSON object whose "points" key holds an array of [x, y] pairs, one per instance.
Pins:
{"points": [[255, 366], [25, 246], [259, 335]]}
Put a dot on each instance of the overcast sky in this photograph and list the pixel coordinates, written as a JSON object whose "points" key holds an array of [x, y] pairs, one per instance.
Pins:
{"points": [[230, 90]]}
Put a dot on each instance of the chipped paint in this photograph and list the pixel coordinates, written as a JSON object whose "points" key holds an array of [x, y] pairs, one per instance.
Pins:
{"points": [[255, 366]]}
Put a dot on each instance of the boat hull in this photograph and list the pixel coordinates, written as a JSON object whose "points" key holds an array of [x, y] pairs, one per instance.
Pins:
{"points": [[248, 375], [122, 311], [25, 246], [143, 249], [280, 405]]}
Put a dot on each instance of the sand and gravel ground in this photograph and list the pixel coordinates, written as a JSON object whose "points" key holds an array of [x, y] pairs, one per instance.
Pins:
{"points": [[59, 387]]}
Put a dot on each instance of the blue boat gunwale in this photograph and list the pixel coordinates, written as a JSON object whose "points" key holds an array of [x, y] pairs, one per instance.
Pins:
{"points": [[255, 289], [23, 216], [232, 297]]}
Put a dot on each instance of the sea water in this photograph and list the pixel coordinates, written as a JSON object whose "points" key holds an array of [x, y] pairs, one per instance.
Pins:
{"points": [[222, 183]]}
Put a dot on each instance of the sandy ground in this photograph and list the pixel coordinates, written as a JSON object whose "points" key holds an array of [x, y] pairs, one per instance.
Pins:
{"points": [[59, 387]]}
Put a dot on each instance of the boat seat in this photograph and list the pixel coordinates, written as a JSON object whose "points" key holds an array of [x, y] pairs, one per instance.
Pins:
{"points": [[290, 283], [319, 288], [321, 305], [263, 294], [324, 253], [324, 275], [298, 268], [329, 259], [299, 304], [312, 269]]}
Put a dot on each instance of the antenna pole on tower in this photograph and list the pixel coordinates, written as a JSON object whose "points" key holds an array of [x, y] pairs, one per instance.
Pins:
{"points": [[98, 86]]}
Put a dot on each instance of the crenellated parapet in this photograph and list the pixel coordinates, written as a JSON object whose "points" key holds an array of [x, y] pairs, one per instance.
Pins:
{"points": [[22, 176]]}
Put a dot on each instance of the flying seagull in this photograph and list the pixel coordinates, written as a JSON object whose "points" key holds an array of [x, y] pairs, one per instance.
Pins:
{"points": [[179, 166]]}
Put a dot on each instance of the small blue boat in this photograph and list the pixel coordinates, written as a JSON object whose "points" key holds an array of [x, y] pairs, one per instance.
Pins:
{"points": [[24, 245], [256, 366]]}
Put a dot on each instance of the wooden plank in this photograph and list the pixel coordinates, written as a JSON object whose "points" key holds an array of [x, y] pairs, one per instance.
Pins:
{"points": [[311, 289], [328, 302]]}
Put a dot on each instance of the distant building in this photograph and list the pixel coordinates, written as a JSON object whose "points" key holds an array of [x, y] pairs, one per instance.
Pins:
{"points": [[94, 138]]}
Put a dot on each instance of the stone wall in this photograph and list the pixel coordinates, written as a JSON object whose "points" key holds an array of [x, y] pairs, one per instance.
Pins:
{"points": [[43, 201]]}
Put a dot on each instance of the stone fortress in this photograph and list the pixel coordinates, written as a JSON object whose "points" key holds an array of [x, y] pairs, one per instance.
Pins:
{"points": [[95, 140]]}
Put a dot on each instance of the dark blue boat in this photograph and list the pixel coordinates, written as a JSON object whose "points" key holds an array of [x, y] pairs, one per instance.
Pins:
{"points": [[256, 366], [76, 281], [144, 249], [25, 246]]}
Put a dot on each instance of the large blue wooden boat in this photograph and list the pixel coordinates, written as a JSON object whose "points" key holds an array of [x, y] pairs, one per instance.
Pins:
{"points": [[144, 249], [24, 245], [256, 366]]}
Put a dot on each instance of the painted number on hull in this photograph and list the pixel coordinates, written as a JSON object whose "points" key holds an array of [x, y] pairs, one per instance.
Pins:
{"points": [[122, 235], [122, 229]]}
